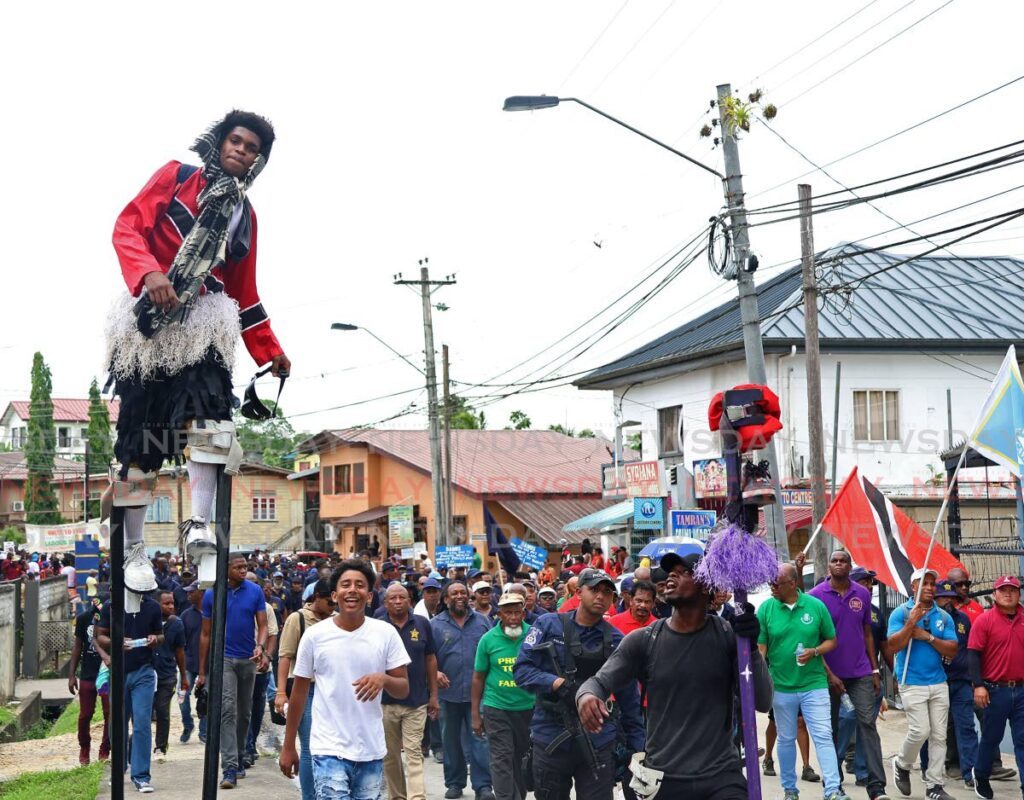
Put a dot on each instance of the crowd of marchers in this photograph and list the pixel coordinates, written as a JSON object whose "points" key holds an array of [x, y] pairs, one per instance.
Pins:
{"points": [[571, 679]]}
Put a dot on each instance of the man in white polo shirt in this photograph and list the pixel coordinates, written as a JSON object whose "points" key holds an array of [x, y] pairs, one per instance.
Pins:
{"points": [[352, 659]]}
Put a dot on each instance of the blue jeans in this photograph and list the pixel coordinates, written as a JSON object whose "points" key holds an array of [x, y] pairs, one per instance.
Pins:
{"points": [[961, 714], [186, 709], [458, 740], [306, 757], [341, 779], [847, 734], [259, 707], [139, 688], [817, 712], [1004, 704]]}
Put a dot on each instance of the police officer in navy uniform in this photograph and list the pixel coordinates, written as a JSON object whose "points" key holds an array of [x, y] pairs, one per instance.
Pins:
{"points": [[559, 653]]}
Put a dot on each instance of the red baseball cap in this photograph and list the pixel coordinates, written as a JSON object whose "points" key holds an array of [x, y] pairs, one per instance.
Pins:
{"points": [[1007, 580]]}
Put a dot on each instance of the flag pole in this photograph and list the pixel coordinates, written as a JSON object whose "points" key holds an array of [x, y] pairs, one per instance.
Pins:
{"points": [[931, 543], [813, 537]]}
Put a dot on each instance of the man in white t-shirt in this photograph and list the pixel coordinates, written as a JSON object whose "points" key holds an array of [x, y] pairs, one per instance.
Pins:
{"points": [[353, 659]]}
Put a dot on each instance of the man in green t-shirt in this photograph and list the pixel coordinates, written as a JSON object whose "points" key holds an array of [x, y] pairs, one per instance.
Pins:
{"points": [[796, 631], [498, 705]]}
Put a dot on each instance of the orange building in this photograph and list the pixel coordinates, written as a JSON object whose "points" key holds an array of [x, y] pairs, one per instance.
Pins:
{"points": [[530, 483]]}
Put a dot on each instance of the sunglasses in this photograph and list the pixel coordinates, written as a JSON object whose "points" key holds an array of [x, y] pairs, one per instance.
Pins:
{"points": [[253, 408], [958, 584]]}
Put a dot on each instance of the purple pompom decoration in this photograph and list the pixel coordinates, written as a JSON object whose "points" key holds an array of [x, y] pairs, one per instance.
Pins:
{"points": [[736, 560]]}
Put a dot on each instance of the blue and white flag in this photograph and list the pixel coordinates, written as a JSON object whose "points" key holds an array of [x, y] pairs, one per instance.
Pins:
{"points": [[999, 431]]}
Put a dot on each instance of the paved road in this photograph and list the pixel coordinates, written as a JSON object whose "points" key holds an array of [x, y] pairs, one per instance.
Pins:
{"points": [[180, 778]]}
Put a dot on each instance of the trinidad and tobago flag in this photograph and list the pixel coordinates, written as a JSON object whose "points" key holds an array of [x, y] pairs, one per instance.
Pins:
{"points": [[880, 537]]}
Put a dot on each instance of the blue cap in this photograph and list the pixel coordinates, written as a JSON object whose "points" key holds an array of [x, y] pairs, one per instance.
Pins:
{"points": [[431, 583], [308, 592], [278, 574], [626, 585], [435, 575], [475, 573]]}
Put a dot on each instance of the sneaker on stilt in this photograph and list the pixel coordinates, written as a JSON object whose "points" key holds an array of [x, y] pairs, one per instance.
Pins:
{"points": [[138, 569], [757, 484], [201, 546]]}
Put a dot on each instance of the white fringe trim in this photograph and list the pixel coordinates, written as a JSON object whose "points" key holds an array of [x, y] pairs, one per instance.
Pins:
{"points": [[213, 322]]}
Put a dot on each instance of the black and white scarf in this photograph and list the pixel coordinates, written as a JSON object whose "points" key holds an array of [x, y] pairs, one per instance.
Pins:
{"points": [[204, 247]]}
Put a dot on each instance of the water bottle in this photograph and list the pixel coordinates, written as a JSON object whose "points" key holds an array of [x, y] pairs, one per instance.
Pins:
{"points": [[846, 703], [800, 650]]}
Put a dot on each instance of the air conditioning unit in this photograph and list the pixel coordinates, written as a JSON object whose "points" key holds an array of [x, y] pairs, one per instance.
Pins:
{"points": [[17, 505]]}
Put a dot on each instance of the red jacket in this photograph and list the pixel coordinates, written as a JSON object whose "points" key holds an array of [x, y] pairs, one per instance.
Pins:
{"points": [[147, 239]]}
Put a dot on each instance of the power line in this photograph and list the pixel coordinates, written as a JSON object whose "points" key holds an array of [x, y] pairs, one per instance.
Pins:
{"points": [[593, 44], [633, 47], [662, 263], [869, 52], [813, 41], [892, 136], [791, 205], [850, 41]]}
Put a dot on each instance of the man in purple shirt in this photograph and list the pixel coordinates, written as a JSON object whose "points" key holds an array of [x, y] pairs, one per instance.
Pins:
{"points": [[851, 665]]}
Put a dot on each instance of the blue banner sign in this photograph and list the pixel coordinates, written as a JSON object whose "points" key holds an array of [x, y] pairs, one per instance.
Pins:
{"points": [[649, 513], [692, 522], [531, 555], [459, 555]]}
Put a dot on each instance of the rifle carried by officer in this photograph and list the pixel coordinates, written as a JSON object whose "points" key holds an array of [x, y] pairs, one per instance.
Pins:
{"points": [[565, 707]]}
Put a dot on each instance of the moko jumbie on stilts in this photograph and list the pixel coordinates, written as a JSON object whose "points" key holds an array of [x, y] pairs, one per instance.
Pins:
{"points": [[737, 557], [187, 248]]}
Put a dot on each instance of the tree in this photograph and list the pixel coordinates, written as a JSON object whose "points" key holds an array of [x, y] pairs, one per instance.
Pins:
{"points": [[518, 421], [463, 416], [559, 428], [40, 501], [586, 433], [270, 441], [101, 448], [634, 441]]}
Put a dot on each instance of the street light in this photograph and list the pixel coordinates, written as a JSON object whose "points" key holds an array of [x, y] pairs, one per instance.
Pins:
{"points": [[344, 326], [538, 102]]}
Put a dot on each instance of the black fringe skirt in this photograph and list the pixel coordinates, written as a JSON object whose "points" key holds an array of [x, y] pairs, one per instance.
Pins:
{"points": [[153, 413]]}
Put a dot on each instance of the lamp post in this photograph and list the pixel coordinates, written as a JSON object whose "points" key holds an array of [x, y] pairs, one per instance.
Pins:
{"points": [[344, 326], [742, 269]]}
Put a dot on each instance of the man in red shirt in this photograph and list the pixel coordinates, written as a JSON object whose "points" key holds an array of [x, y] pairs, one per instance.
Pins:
{"points": [[995, 658], [964, 603], [572, 598], [638, 614], [187, 250]]}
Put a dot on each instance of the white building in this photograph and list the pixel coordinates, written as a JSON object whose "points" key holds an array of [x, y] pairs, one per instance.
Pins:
{"points": [[905, 337], [70, 421]]}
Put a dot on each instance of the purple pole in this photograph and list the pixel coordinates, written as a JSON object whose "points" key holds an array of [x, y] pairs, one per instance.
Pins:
{"points": [[748, 719], [737, 513]]}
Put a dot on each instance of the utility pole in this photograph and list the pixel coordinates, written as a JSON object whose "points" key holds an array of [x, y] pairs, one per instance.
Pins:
{"points": [[749, 313], [814, 416], [449, 511], [436, 475]]}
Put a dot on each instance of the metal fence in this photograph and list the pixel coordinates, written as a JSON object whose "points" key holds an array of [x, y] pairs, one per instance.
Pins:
{"points": [[988, 547], [48, 631]]}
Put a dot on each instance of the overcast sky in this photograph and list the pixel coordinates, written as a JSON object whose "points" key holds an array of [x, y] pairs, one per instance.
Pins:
{"points": [[392, 146]]}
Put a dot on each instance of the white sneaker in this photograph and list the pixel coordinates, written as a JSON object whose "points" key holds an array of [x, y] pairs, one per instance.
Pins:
{"points": [[138, 569], [143, 787], [199, 539]]}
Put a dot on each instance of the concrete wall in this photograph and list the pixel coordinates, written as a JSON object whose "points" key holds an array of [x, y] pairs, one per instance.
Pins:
{"points": [[47, 623], [8, 650]]}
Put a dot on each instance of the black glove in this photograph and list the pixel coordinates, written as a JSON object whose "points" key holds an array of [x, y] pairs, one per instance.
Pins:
{"points": [[746, 624], [566, 693]]}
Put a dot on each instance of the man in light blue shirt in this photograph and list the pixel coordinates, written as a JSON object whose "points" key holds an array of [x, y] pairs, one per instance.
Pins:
{"points": [[920, 635]]}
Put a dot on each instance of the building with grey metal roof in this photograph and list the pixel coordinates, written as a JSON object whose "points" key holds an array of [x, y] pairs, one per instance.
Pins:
{"points": [[874, 301]]}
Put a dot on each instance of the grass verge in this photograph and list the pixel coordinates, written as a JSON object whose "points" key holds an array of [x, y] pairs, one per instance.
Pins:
{"points": [[81, 783]]}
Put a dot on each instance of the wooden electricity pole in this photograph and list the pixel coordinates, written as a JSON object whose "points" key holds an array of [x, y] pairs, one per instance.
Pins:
{"points": [[814, 415]]}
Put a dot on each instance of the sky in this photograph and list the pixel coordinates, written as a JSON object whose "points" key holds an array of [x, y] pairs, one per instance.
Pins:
{"points": [[393, 147]]}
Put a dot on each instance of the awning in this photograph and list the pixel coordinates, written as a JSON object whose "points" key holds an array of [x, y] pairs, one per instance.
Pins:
{"points": [[613, 515], [547, 518], [363, 517], [796, 517], [306, 473]]}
